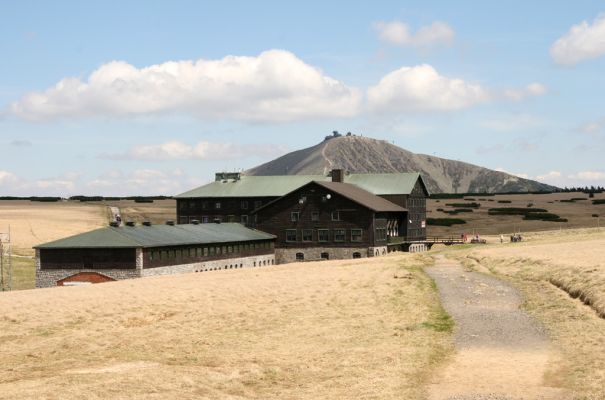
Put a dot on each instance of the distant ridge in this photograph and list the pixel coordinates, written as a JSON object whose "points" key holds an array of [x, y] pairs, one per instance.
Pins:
{"points": [[359, 154]]}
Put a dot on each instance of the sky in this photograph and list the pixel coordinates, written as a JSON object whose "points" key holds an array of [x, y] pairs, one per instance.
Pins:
{"points": [[153, 97]]}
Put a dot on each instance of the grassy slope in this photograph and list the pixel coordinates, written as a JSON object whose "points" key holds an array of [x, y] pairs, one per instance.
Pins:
{"points": [[367, 328], [575, 258]]}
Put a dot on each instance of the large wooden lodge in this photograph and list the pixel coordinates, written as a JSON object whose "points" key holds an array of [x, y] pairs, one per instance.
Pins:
{"points": [[242, 221]]}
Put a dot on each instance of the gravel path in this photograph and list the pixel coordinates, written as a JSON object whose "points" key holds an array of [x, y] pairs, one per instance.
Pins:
{"points": [[501, 353]]}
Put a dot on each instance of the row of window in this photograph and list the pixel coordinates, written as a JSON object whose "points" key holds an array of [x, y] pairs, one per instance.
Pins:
{"points": [[416, 202], [206, 219], [217, 205], [323, 235], [295, 216], [324, 256], [206, 251]]}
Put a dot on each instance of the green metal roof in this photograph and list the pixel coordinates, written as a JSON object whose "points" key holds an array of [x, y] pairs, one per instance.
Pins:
{"points": [[158, 236], [279, 185]]}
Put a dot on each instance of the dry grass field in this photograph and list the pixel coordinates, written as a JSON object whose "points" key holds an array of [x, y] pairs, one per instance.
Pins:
{"points": [[579, 213], [157, 212], [32, 223], [367, 329], [562, 276]]}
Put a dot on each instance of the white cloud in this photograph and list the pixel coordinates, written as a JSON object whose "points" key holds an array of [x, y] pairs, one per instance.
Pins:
{"points": [[399, 33], [421, 88], [176, 150], [589, 176], [7, 178], [517, 174], [274, 86], [533, 89], [583, 42]]}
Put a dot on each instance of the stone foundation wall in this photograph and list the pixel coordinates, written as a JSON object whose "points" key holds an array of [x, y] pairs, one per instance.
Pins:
{"points": [[49, 277], [283, 256], [229, 263], [378, 251]]}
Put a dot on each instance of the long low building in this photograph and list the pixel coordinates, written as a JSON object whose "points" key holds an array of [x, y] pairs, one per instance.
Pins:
{"points": [[113, 253]]}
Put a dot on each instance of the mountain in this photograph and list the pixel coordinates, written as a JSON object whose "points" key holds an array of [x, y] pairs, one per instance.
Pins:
{"points": [[359, 154]]}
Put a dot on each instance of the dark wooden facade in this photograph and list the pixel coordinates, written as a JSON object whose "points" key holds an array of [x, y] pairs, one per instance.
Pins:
{"points": [[415, 224], [176, 255], [224, 209], [125, 258], [83, 258], [313, 216]]}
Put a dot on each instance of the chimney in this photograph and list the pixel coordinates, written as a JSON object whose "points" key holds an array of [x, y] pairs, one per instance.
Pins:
{"points": [[225, 176], [146, 223], [129, 223], [338, 175], [170, 222]]}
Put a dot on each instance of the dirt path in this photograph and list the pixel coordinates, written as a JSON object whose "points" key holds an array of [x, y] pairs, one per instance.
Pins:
{"points": [[501, 353]]}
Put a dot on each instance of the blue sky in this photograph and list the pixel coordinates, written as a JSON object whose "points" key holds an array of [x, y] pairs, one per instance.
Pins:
{"points": [[125, 98]]}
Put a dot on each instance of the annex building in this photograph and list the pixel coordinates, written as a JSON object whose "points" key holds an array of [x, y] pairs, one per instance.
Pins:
{"points": [[113, 253]]}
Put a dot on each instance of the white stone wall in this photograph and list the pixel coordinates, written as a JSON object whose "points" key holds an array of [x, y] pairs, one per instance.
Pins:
{"points": [[215, 265], [283, 256], [378, 251], [49, 277]]}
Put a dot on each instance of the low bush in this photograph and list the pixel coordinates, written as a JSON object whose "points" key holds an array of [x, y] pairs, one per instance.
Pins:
{"points": [[504, 201], [595, 215], [464, 205], [444, 221], [542, 216], [598, 201], [514, 211]]}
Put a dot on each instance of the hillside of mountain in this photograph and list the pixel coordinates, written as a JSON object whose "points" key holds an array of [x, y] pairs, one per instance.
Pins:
{"points": [[357, 154]]}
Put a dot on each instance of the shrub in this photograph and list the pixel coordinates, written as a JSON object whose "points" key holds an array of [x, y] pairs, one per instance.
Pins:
{"points": [[595, 215], [464, 205], [530, 205], [598, 201], [444, 221], [544, 217], [504, 201], [458, 211], [514, 211]]}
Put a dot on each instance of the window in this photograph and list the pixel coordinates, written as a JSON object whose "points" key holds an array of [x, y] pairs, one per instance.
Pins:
{"points": [[325, 256], [335, 215], [212, 251], [257, 204], [339, 235], [307, 235], [204, 205], [290, 235], [381, 234], [355, 235], [192, 204], [300, 257], [231, 218], [244, 219], [230, 249], [294, 216], [217, 205], [323, 235], [182, 205], [224, 250], [244, 205], [205, 251], [205, 219], [315, 216]]}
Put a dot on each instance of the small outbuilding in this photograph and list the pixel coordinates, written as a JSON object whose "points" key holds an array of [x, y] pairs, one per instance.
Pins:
{"points": [[113, 253]]}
